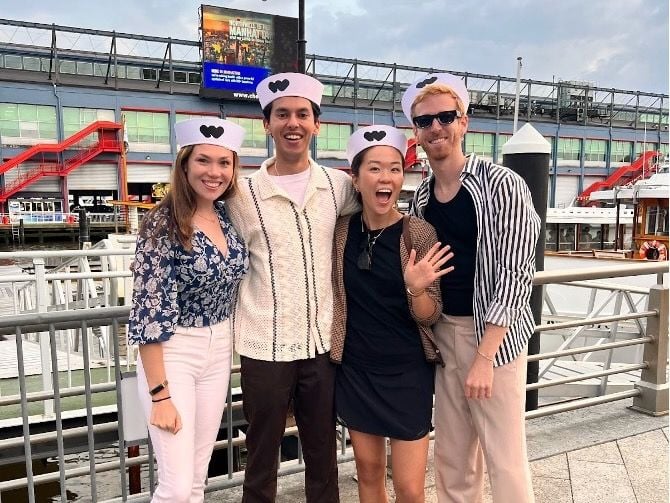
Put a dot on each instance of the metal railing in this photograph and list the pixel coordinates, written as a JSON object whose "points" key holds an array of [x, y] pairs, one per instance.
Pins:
{"points": [[104, 428]]}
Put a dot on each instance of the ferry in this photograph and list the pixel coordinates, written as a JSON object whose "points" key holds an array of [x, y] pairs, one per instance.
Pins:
{"points": [[629, 221]]}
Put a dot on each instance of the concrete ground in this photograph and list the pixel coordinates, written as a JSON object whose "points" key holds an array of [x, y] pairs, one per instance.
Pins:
{"points": [[603, 454]]}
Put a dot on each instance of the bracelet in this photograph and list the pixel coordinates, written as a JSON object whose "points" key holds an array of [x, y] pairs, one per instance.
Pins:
{"points": [[484, 356], [158, 388], [417, 294], [161, 399]]}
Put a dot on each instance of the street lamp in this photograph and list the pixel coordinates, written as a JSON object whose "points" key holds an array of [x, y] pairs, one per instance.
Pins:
{"points": [[302, 43]]}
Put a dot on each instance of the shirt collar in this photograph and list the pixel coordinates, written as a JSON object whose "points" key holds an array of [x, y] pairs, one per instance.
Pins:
{"points": [[268, 188]]}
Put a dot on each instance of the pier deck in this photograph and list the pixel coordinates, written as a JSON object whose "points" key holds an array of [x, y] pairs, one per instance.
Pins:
{"points": [[606, 454]]}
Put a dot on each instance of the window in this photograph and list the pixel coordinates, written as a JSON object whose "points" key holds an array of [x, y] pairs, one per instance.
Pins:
{"points": [[502, 139], [165, 75], [133, 72], [333, 137], [595, 150], [76, 119], [657, 221], [194, 78], [568, 149], [148, 127], [480, 144], [13, 62], [68, 67], [254, 136], [84, 68], [30, 63], [641, 147], [620, 151], [664, 149], [27, 121], [179, 76], [149, 74]]}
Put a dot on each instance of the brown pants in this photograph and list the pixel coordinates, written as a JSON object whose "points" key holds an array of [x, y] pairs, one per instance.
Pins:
{"points": [[268, 388], [469, 431]]}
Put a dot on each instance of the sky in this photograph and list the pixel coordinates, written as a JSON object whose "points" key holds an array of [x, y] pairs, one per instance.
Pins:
{"points": [[619, 44]]}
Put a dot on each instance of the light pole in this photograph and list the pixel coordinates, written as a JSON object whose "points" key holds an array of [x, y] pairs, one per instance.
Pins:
{"points": [[302, 43]]}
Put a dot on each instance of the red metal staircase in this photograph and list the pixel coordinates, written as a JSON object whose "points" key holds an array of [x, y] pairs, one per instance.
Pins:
{"points": [[107, 141], [644, 166]]}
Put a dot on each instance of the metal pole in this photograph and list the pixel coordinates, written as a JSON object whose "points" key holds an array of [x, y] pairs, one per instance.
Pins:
{"points": [[302, 43], [518, 90]]}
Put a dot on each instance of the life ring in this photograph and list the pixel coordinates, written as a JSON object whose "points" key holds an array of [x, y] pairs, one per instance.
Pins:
{"points": [[653, 250]]}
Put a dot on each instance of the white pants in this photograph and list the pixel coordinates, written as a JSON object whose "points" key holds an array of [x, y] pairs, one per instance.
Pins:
{"points": [[469, 432], [197, 366]]}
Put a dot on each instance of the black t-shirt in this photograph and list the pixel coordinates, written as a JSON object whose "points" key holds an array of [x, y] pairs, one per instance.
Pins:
{"points": [[456, 225], [381, 333]]}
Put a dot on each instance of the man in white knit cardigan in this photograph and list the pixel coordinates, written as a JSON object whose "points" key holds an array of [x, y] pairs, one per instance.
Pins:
{"points": [[286, 213]]}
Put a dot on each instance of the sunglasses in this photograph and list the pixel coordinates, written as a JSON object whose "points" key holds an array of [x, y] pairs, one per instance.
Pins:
{"points": [[444, 118]]}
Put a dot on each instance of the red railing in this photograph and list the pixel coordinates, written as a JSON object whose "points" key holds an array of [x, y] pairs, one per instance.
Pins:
{"points": [[107, 142]]}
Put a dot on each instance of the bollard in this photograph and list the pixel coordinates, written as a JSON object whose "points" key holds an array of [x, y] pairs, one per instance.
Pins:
{"points": [[84, 231], [527, 153], [134, 472], [653, 383], [22, 233]]}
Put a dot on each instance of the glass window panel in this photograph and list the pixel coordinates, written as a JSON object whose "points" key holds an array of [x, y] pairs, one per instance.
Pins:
{"points": [[31, 63], [149, 74], [145, 119], [13, 62], [67, 67], [9, 111], [180, 76], [9, 128], [194, 78], [84, 68], [27, 112], [133, 72]]}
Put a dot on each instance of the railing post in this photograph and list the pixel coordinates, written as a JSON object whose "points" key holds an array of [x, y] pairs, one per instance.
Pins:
{"points": [[653, 381], [41, 293]]}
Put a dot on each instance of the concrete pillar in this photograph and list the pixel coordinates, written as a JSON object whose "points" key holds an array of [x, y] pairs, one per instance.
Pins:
{"points": [[653, 382]]}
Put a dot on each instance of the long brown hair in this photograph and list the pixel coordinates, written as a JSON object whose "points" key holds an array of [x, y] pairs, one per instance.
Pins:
{"points": [[175, 211]]}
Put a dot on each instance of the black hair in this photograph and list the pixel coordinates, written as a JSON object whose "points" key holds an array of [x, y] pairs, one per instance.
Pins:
{"points": [[315, 110]]}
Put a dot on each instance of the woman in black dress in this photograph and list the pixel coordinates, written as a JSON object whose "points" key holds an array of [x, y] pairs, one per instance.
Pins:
{"points": [[386, 274]]}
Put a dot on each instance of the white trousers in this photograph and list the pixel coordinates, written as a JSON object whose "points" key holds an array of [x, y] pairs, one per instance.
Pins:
{"points": [[197, 366], [469, 432]]}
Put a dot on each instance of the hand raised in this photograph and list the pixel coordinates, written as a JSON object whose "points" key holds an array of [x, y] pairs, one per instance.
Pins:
{"points": [[421, 274]]}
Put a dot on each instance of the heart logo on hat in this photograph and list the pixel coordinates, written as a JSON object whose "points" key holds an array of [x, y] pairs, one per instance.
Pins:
{"points": [[211, 131], [374, 135], [278, 85], [424, 83]]}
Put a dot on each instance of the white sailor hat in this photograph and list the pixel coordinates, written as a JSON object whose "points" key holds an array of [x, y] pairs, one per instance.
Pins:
{"points": [[456, 83], [289, 84], [209, 131], [373, 136]]}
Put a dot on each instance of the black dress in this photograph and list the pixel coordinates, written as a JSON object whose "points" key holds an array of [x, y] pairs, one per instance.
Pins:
{"points": [[384, 385]]}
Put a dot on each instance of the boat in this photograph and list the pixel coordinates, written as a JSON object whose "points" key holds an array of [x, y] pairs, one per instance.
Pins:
{"points": [[629, 221]]}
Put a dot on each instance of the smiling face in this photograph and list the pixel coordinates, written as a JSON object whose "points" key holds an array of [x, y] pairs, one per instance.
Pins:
{"points": [[440, 141], [209, 171], [379, 179], [292, 124]]}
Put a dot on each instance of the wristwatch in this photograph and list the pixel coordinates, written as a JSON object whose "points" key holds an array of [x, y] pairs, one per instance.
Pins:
{"points": [[159, 388]]}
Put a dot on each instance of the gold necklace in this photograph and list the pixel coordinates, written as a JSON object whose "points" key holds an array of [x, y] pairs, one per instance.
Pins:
{"points": [[211, 221]]}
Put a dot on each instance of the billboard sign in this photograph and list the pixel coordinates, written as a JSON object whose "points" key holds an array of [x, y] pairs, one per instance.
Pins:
{"points": [[241, 48]]}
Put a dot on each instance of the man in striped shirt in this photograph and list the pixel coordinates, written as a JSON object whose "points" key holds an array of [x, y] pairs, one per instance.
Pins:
{"points": [[485, 212]]}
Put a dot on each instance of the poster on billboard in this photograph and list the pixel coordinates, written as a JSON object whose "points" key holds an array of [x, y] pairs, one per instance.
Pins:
{"points": [[241, 48]]}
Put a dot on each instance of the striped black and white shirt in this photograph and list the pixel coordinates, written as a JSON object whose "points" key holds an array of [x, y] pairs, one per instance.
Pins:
{"points": [[507, 232]]}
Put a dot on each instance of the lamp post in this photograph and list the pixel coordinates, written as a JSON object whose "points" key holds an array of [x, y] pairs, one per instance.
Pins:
{"points": [[302, 43]]}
